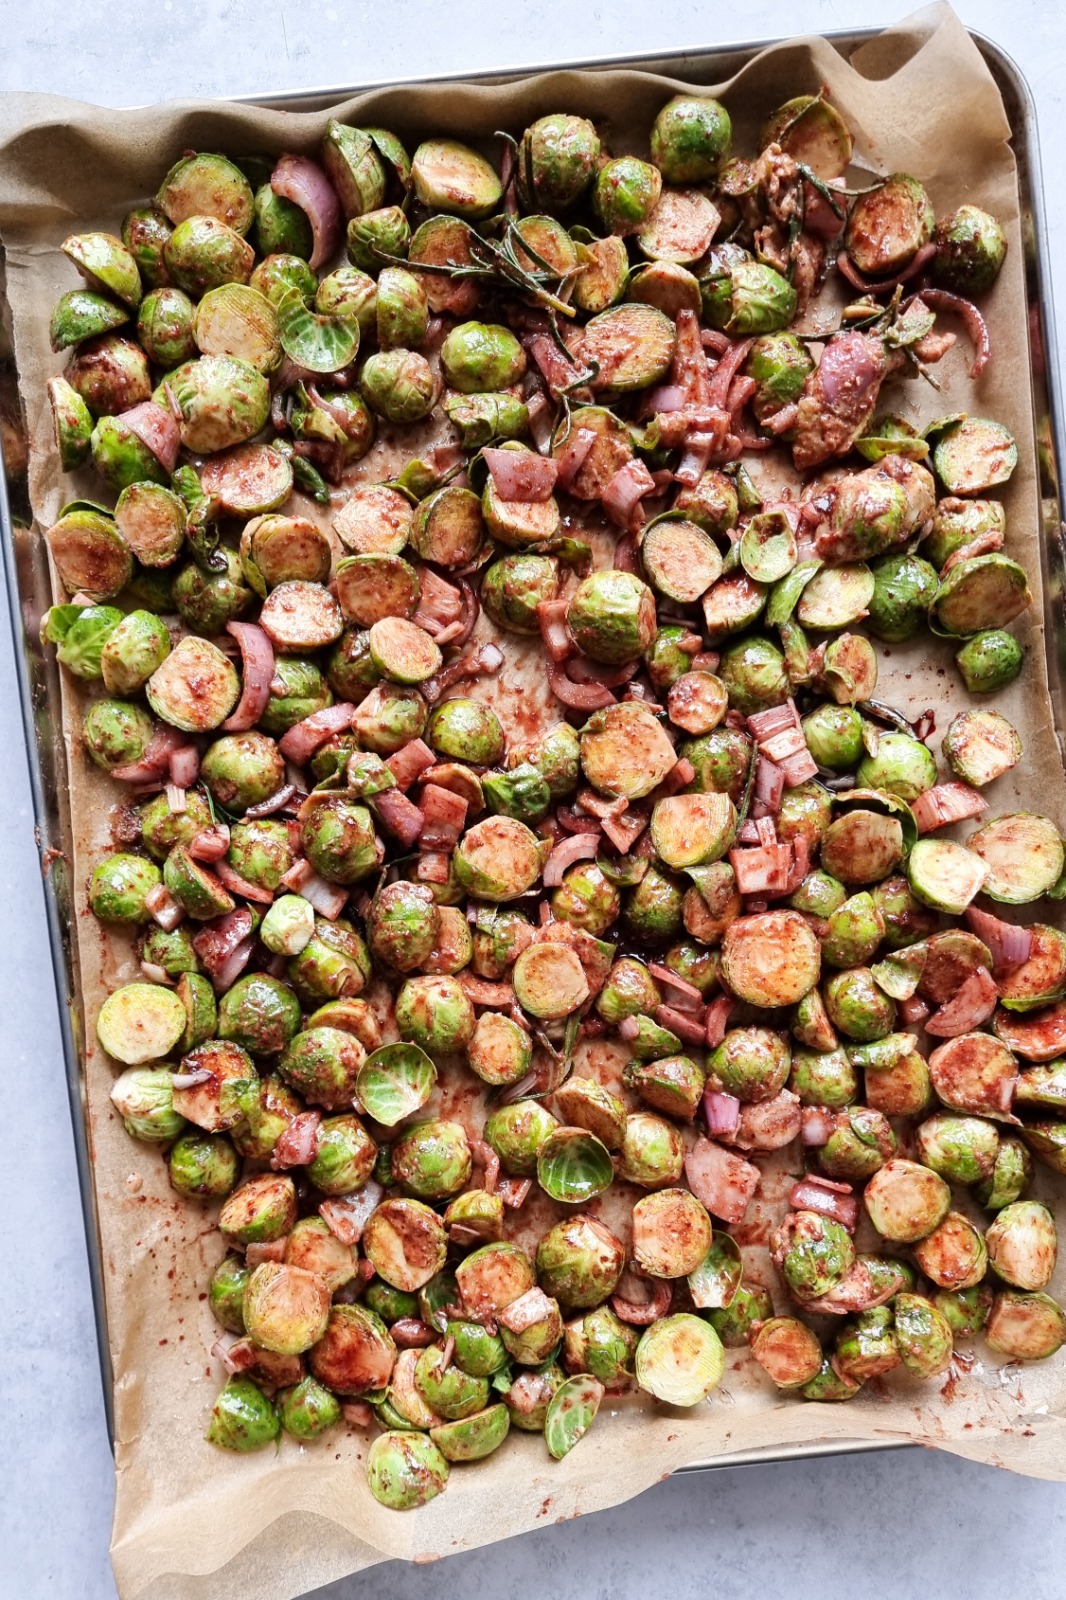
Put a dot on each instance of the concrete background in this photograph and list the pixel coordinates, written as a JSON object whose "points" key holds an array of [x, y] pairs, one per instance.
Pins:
{"points": [[879, 1523]]}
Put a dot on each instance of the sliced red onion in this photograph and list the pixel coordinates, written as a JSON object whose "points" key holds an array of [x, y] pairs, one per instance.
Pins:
{"points": [[157, 429], [1009, 945], [409, 763], [971, 1005], [210, 844], [513, 1191], [769, 783], [722, 1112], [817, 1125], [721, 1179], [680, 986], [328, 899], [519, 475], [558, 373], [576, 847], [153, 973], [688, 370], [347, 1215], [764, 724], [298, 1143], [191, 1080], [729, 365], [257, 670], [689, 1027], [781, 421], [717, 1020], [629, 485], [442, 814], [216, 941], [876, 286], [155, 762], [628, 1029], [234, 965], [668, 397], [946, 803], [488, 659], [551, 619], [273, 1250], [238, 1357], [762, 869], [301, 741], [679, 777], [579, 669], [974, 322], [184, 766], [303, 182], [538, 411], [717, 343], [399, 815], [357, 1413], [694, 461], [434, 866], [624, 831], [273, 803], [237, 885], [177, 799], [578, 696], [163, 908], [440, 604], [480, 992], [642, 1313], [486, 1158], [573, 455], [409, 1333], [810, 1195]]}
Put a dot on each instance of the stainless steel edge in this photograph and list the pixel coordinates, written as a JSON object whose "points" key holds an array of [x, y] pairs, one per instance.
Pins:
{"points": [[26, 578]]}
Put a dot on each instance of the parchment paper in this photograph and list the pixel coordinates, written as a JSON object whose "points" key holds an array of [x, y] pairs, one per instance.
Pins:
{"points": [[191, 1522]]}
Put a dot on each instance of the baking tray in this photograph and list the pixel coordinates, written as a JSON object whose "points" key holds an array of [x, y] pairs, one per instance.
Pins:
{"points": [[28, 590]]}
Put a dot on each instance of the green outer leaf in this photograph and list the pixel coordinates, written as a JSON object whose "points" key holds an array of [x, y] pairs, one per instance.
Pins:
{"points": [[573, 1166], [319, 343], [394, 1081], [784, 596], [571, 1413], [714, 1283]]}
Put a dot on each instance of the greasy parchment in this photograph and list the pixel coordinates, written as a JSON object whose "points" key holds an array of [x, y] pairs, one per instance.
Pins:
{"points": [[192, 1522]]}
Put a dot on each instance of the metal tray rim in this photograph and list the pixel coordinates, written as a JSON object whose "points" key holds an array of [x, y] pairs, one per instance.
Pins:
{"points": [[674, 60]]}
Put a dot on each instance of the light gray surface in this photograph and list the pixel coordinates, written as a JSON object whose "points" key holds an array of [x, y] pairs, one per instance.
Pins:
{"points": [[886, 1522]]}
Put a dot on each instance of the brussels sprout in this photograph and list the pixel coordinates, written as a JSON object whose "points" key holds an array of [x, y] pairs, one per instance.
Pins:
{"points": [[923, 1335], [859, 1144], [904, 587], [498, 859], [814, 1253], [753, 671], [268, 1110], [259, 1013], [989, 661], [281, 272], [888, 226], [599, 1343], [207, 601], [203, 184], [323, 1065], [711, 503], [144, 1099], [204, 1165], [1023, 857], [902, 766], [389, 717], [970, 249], [945, 875], [978, 593], [308, 1409], [261, 1210], [1023, 1245], [971, 456], [405, 1470], [118, 888], [981, 746], [1025, 1327], [223, 401], [203, 253], [479, 357], [281, 226], [516, 1133], [811, 1024], [671, 1233], [857, 1006], [751, 1063], [853, 932], [173, 951], [897, 1078], [261, 851], [406, 1243], [653, 909], [722, 759], [965, 1311], [736, 1323], [788, 1352], [694, 964], [242, 1418], [810, 129], [140, 1023], [819, 894], [956, 523], [625, 193], [652, 1151], [823, 1078], [770, 959], [80, 314], [242, 770], [625, 751], [402, 651], [312, 1246], [226, 1292], [1009, 1178], [398, 385], [435, 1014], [679, 230], [689, 138], [747, 298], [779, 365], [632, 347], [432, 1159], [145, 231], [679, 1360], [356, 1354], [906, 1202], [109, 374], [585, 1103], [573, 1166], [954, 1255], [340, 842]]}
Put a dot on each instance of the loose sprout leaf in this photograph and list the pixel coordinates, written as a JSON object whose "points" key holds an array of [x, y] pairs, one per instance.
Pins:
{"points": [[573, 1166], [395, 1081]]}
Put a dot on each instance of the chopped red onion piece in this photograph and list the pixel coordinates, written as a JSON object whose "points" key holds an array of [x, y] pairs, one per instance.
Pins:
{"points": [[576, 847], [303, 182], [301, 741], [519, 475], [1009, 945], [722, 1112], [257, 673]]}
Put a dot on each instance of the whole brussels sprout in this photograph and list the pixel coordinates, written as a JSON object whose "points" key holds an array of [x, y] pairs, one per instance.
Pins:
{"points": [[557, 158], [690, 138], [340, 842], [398, 385], [144, 1099], [323, 1064], [625, 194], [242, 770], [970, 250], [435, 1013], [579, 1261], [516, 1133], [116, 733], [432, 1159], [164, 327], [481, 358], [612, 616], [514, 586]]}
